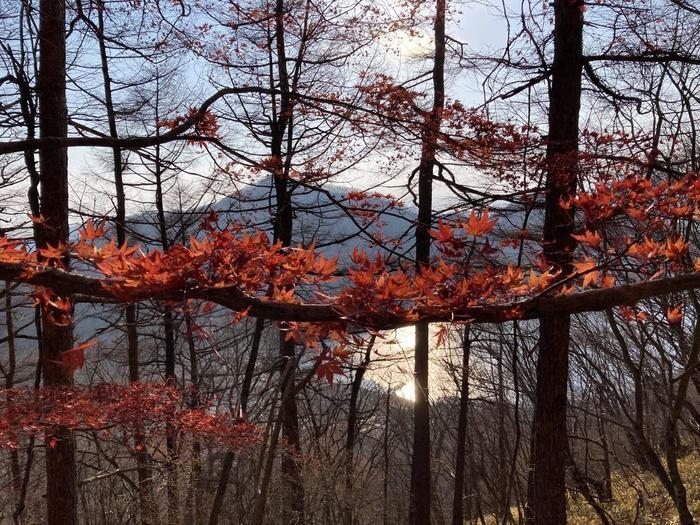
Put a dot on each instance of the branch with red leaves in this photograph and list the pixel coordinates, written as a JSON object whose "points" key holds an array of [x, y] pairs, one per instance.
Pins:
{"points": [[66, 283]]}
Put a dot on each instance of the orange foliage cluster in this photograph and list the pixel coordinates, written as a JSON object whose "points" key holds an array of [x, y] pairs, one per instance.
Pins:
{"points": [[645, 216], [373, 294], [382, 93], [205, 125], [228, 258], [114, 408], [641, 200]]}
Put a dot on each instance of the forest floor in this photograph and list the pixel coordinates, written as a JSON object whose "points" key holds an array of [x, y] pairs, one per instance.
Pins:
{"points": [[639, 499]]}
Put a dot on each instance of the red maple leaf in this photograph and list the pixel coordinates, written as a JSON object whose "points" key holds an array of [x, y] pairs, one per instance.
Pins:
{"points": [[478, 224], [74, 358]]}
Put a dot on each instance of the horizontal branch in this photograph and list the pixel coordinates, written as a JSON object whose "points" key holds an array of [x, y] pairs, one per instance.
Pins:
{"points": [[176, 133], [657, 57], [67, 283]]}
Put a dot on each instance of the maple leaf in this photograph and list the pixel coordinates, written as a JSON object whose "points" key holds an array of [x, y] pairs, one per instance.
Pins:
{"points": [[648, 249], [566, 204], [568, 289], [629, 314], [675, 249], [608, 281], [682, 211], [675, 315], [89, 233], [478, 225], [444, 233], [325, 268], [592, 238], [53, 252], [328, 370], [513, 276], [539, 281], [239, 316], [74, 358], [441, 335], [585, 268]]}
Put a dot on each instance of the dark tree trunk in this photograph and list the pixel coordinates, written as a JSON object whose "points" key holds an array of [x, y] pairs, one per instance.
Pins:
{"points": [[385, 450], [460, 456], [606, 493], [61, 499], [120, 215], [547, 491], [420, 497], [192, 500], [283, 221], [15, 474], [352, 433], [263, 488]]}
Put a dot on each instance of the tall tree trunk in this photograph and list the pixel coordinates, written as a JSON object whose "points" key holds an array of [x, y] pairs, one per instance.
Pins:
{"points": [[192, 500], [15, 475], [120, 216], [351, 435], [277, 423], [462, 422], [169, 340], [606, 493], [291, 466], [61, 499], [419, 512], [385, 450], [547, 493]]}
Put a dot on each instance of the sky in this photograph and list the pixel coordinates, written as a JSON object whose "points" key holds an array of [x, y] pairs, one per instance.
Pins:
{"points": [[480, 26]]}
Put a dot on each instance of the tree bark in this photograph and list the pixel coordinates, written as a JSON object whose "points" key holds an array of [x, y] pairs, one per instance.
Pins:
{"points": [[462, 422], [547, 491], [351, 435], [61, 499], [420, 497], [283, 221], [130, 317]]}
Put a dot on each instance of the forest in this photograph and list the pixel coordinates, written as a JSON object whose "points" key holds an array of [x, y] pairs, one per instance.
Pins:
{"points": [[350, 262]]}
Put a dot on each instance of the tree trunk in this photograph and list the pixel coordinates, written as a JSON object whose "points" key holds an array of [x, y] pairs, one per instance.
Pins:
{"points": [[420, 497], [352, 433], [262, 490], [15, 475], [192, 500], [462, 421], [547, 505], [385, 450], [130, 317], [283, 221], [61, 499]]}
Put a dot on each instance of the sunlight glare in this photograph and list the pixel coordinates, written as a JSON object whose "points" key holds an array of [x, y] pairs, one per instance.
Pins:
{"points": [[407, 392]]}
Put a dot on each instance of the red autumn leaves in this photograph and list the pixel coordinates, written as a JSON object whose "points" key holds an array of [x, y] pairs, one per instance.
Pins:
{"points": [[109, 407], [372, 292]]}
